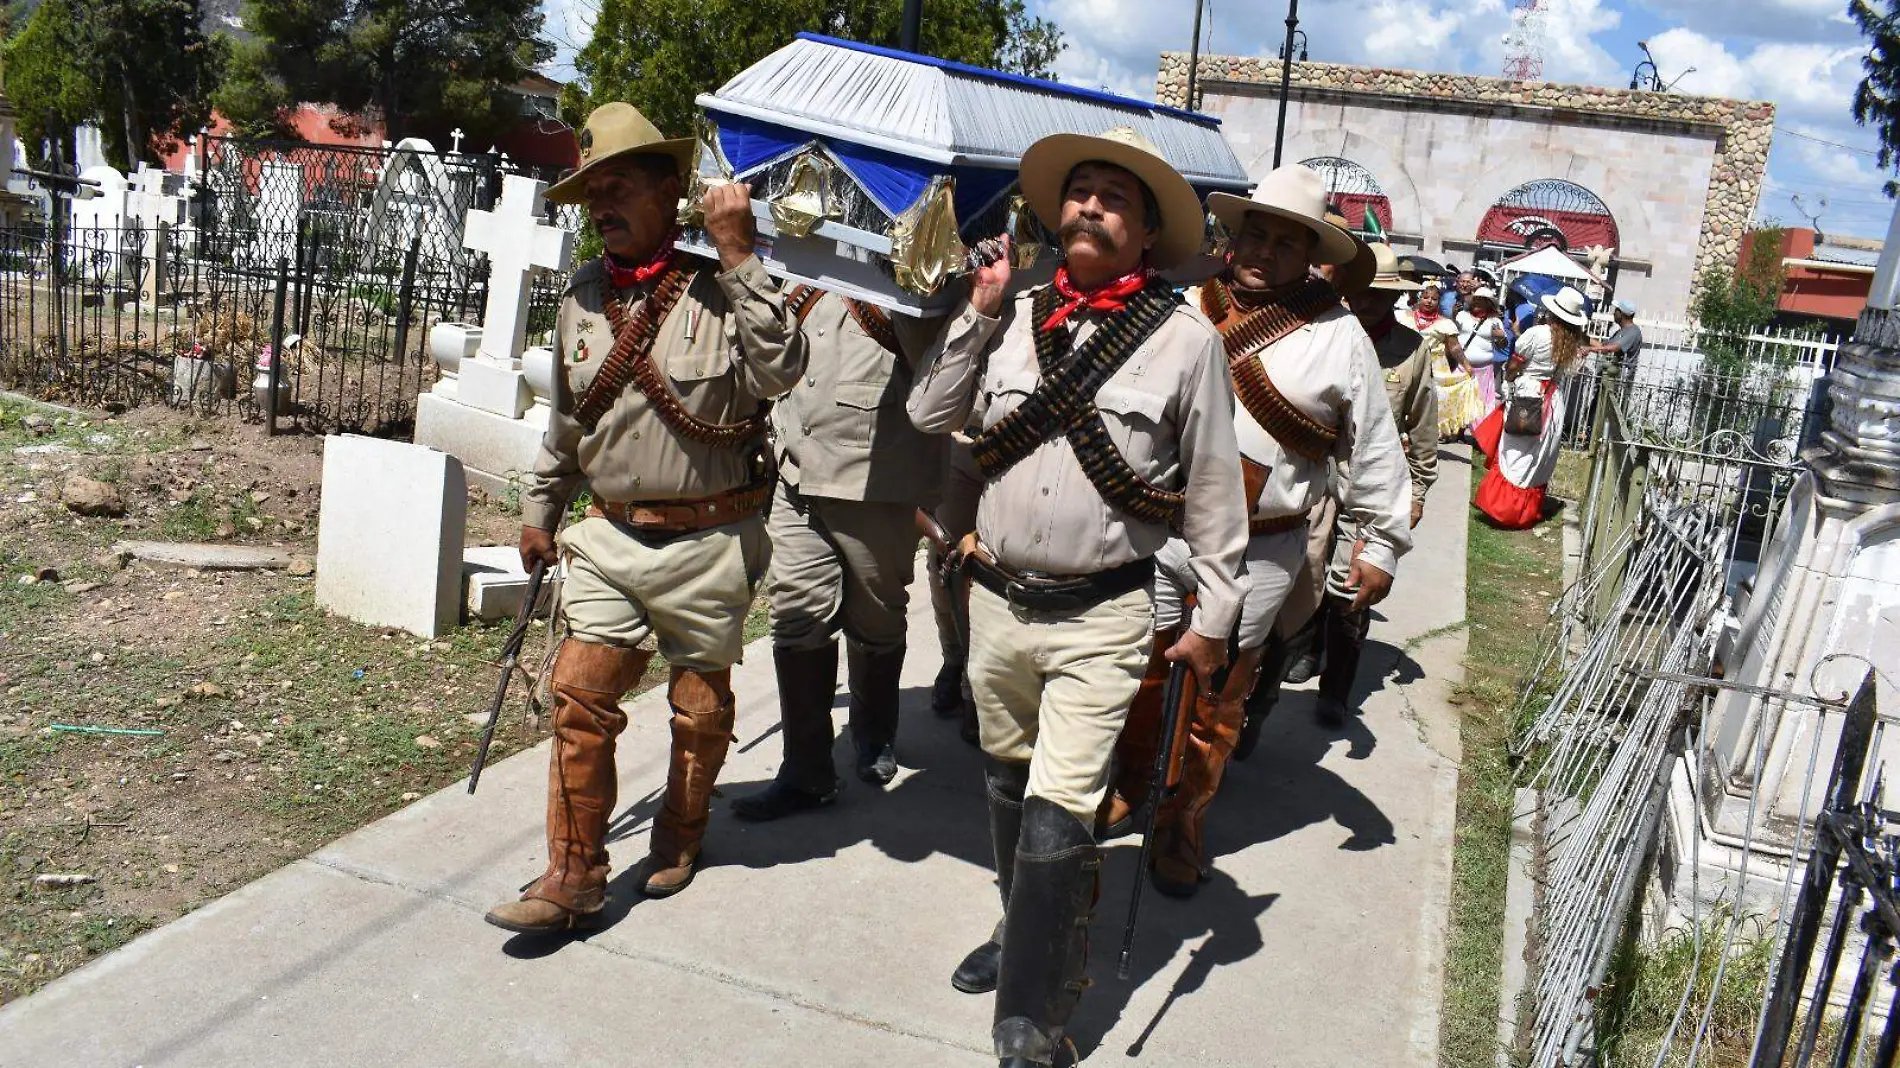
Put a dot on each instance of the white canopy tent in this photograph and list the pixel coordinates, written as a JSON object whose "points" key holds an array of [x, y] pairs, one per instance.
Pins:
{"points": [[1550, 262]]}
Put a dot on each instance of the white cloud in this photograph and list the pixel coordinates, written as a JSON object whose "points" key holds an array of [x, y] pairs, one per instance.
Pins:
{"points": [[1803, 79], [1783, 20]]}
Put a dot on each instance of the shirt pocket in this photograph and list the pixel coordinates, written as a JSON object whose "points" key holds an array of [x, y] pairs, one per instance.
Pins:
{"points": [[1136, 420], [1005, 391], [701, 373], [855, 411]]}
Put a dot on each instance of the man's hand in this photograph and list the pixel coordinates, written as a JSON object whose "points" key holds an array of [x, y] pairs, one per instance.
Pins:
{"points": [[729, 222], [1368, 583], [1418, 512], [989, 282], [1204, 656], [538, 545]]}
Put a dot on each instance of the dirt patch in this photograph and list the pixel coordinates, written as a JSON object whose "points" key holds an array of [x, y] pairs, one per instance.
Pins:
{"points": [[247, 727]]}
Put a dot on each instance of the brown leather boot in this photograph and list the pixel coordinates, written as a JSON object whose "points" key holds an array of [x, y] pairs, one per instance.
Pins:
{"points": [[588, 682], [1179, 863], [702, 731], [1135, 749]]}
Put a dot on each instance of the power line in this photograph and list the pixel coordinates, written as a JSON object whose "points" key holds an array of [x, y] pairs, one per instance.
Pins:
{"points": [[1823, 141]]}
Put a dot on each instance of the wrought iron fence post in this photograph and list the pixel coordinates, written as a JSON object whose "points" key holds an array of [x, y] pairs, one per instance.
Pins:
{"points": [[406, 298], [1816, 882], [276, 348]]}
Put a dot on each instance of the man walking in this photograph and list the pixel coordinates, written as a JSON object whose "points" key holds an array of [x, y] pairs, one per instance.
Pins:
{"points": [[1304, 373], [852, 473], [1626, 344], [666, 364], [1105, 416]]}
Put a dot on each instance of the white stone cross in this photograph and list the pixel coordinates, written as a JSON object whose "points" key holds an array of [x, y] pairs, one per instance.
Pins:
{"points": [[518, 244], [149, 201], [455, 138]]}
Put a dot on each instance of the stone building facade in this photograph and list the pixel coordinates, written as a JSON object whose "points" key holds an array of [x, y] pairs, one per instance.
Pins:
{"points": [[1463, 167]]}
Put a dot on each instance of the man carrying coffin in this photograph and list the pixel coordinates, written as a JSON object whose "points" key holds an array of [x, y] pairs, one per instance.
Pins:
{"points": [[852, 473], [666, 365], [1105, 416], [1308, 384]]}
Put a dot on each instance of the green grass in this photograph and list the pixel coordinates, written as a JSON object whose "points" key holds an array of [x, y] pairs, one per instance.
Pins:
{"points": [[1514, 575], [1646, 985]]}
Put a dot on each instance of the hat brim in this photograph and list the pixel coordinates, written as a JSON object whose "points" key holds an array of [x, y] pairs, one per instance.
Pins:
{"points": [[1045, 173], [571, 189], [1580, 320], [1335, 245], [1395, 284]]}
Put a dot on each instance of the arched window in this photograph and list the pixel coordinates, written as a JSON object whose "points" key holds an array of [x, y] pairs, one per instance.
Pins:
{"points": [[1549, 211], [1355, 192]]}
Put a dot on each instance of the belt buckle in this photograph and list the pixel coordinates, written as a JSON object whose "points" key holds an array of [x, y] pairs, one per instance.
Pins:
{"points": [[1010, 588], [644, 517]]}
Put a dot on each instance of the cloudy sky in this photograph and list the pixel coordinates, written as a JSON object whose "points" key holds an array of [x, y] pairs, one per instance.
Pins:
{"points": [[1804, 55]]}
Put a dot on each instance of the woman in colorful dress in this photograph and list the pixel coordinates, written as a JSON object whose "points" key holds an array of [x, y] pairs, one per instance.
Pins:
{"points": [[1537, 379], [1486, 343]]}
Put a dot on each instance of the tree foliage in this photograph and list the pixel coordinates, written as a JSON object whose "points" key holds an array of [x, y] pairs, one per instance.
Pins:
{"points": [[1730, 305], [660, 54], [1877, 98], [419, 66], [143, 71]]}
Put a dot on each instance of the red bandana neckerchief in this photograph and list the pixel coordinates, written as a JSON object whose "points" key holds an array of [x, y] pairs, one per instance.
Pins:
{"points": [[1112, 297], [626, 277]]}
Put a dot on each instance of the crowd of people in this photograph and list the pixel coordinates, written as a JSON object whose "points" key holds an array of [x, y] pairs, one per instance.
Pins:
{"points": [[1124, 484]]}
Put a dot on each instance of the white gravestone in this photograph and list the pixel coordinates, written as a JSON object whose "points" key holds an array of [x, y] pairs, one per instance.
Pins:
{"points": [[98, 218], [389, 537], [279, 204], [158, 212], [490, 406]]}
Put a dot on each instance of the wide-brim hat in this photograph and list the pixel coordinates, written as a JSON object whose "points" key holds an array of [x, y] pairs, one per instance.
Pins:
{"points": [[1566, 304], [613, 131], [1483, 293], [1355, 275], [1045, 176], [1420, 267], [1386, 274], [1295, 193]]}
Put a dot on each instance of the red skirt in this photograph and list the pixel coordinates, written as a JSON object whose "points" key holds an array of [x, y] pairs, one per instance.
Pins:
{"points": [[1488, 432], [1508, 506]]}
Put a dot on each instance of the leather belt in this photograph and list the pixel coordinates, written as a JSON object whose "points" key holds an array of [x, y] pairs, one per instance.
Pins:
{"points": [[1276, 525], [687, 516], [1041, 592]]}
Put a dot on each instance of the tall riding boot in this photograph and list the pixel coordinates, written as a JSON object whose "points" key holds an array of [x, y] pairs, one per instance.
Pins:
{"points": [[1345, 632], [588, 681], [1277, 656], [1045, 935], [875, 678], [807, 681], [1179, 854], [702, 731], [1141, 735], [1004, 781], [1309, 650]]}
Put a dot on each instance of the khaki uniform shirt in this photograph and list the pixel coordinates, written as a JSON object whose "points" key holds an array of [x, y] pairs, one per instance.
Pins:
{"points": [[728, 344], [1407, 364], [1327, 370], [843, 432], [1169, 410]]}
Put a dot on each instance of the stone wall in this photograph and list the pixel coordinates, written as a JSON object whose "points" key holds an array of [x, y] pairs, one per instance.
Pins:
{"points": [[1719, 145]]}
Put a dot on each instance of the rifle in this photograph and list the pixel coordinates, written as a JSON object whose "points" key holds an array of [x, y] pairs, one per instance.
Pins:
{"points": [[1162, 785], [934, 532], [510, 659]]}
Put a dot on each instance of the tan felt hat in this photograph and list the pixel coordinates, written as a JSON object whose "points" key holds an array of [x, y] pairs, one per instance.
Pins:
{"points": [[612, 131], [1387, 275], [1292, 192], [1045, 174]]}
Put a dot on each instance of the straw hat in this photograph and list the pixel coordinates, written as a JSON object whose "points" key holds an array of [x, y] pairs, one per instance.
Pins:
{"points": [[1355, 275], [612, 131], [1045, 175], [1386, 274], [1296, 193], [1567, 304]]}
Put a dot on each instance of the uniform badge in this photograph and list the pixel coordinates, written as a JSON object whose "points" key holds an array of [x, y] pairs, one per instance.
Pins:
{"points": [[580, 353], [586, 326], [1392, 377], [586, 143]]}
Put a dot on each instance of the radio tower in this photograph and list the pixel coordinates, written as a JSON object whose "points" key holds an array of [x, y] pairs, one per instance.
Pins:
{"points": [[1524, 43]]}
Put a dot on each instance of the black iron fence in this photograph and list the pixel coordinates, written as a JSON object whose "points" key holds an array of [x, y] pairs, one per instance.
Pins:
{"points": [[305, 329]]}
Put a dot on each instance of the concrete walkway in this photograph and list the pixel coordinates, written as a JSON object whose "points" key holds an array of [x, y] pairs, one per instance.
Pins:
{"points": [[829, 940]]}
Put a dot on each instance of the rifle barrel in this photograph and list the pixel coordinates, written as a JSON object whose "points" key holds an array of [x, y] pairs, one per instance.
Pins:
{"points": [[1157, 784], [510, 657]]}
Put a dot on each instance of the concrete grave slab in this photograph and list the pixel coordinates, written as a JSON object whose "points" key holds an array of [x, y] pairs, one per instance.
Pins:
{"points": [[389, 539], [207, 557], [496, 583]]}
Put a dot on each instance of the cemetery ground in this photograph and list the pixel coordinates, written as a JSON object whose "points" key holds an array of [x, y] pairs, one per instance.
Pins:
{"points": [[276, 727]]}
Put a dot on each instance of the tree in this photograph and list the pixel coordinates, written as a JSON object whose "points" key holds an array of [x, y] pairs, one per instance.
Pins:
{"points": [[1877, 98], [660, 54], [418, 66], [143, 70], [1731, 305]]}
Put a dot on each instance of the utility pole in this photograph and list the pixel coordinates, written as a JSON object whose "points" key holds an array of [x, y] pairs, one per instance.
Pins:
{"points": [[1194, 59], [913, 25], [1286, 77]]}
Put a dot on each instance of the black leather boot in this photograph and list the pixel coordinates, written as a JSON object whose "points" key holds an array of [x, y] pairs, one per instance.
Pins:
{"points": [[1266, 694], [1309, 651], [806, 780], [875, 678], [1345, 636], [946, 694], [1004, 782], [1045, 935]]}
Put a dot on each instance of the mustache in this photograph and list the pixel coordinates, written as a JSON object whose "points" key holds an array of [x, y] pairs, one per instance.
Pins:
{"points": [[1083, 226], [603, 222]]}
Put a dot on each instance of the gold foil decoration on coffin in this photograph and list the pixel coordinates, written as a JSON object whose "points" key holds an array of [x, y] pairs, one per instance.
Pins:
{"points": [[706, 149], [925, 249], [1026, 235], [806, 199]]}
